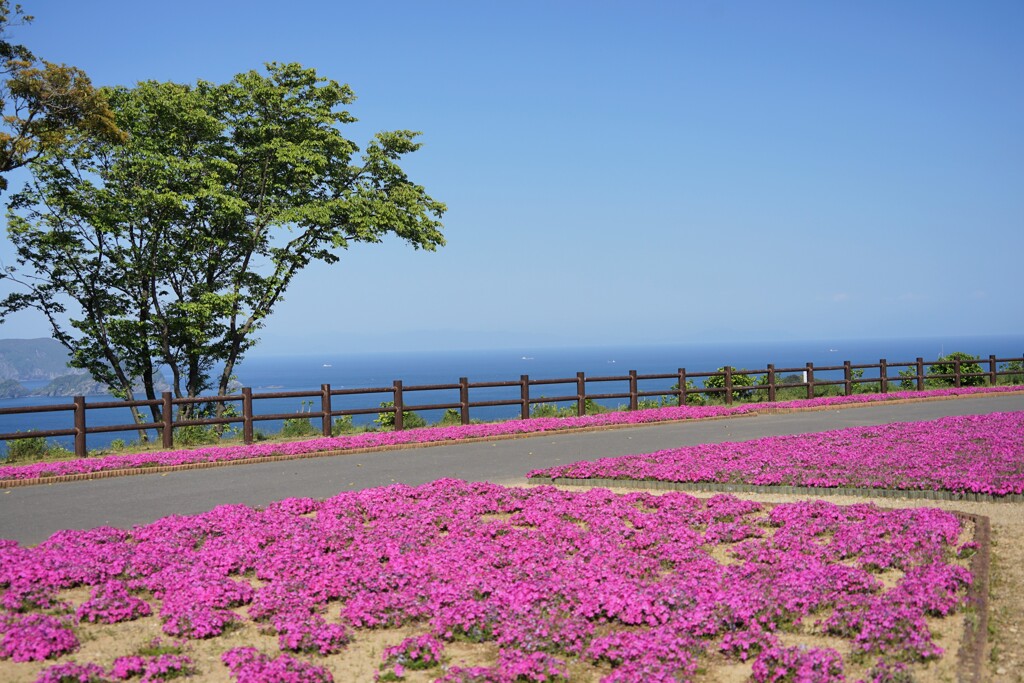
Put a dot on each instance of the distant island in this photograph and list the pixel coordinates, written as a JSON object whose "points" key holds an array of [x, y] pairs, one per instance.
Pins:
{"points": [[33, 360]]}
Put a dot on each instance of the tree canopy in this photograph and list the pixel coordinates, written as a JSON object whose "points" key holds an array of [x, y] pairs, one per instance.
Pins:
{"points": [[172, 248], [43, 103]]}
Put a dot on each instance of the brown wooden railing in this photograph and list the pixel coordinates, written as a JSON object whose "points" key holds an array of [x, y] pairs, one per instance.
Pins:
{"points": [[768, 381]]}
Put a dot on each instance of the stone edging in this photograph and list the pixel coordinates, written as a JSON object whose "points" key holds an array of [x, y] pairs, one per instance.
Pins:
{"points": [[164, 469], [971, 660], [716, 487]]}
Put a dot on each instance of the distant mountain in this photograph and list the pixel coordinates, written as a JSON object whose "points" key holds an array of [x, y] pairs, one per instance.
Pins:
{"points": [[33, 359], [85, 385], [10, 388], [27, 360]]}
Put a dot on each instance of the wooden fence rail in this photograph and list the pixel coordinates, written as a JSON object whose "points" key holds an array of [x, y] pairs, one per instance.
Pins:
{"points": [[768, 380]]}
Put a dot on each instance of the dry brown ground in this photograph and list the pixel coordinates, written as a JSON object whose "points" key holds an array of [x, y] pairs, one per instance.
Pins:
{"points": [[1004, 660]]}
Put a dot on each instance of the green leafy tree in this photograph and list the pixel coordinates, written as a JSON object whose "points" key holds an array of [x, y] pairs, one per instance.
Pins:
{"points": [[44, 104], [172, 248]]}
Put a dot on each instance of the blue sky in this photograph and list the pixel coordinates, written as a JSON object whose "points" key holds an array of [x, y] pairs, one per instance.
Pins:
{"points": [[637, 172]]}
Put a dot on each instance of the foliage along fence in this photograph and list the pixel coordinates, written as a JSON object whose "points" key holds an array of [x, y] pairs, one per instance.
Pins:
{"points": [[719, 383]]}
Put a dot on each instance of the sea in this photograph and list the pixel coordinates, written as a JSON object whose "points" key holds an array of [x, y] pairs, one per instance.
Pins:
{"points": [[342, 370]]}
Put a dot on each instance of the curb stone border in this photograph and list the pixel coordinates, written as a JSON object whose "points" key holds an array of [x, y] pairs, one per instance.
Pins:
{"points": [[971, 659], [718, 487]]}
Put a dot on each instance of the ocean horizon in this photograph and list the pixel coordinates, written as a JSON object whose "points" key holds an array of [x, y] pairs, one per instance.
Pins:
{"points": [[307, 371]]}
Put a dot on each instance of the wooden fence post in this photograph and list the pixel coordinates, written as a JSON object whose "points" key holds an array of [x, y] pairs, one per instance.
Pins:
{"points": [[634, 398], [920, 373], [956, 372], [682, 386], [771, 382], [993, 379], [728, 385], [847, 378], [581, 395], [80, 448], [399, 404], [167, 432], [883, 375], [524, 395], [247, 415], [464, 399], [325, 409], [810, 380]]}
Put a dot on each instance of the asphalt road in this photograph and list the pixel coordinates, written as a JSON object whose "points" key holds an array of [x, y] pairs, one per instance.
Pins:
{"points": [[31, 514]]}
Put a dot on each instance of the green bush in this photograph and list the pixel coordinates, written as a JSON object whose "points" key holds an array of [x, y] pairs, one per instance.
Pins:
{"points": [[968, 364], [27, 449], [450, 418], [343, 425], [693, 398], [33, 448], [551, 410], [298, 427], [195, 435], [739, 380], [410, 419], [1017, 368]]}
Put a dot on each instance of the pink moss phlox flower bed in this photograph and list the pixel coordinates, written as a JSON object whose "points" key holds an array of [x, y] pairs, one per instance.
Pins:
{"points": [[971, 453], [633, 587], [440, 434]]}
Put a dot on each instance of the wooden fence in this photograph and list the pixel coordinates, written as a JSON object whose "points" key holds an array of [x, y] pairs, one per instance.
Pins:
{"points": [[768, 384]]}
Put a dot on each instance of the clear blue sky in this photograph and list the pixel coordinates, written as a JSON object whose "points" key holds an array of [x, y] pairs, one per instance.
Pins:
{"points": [[637, 172]]}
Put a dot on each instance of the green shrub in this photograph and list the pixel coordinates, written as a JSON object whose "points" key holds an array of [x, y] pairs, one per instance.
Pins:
{"points": [[552, 410], [343, 425], [34, 448], [27, 449], [693, 398], [739, 380], [410, 419], [968, 364], [195, 435], [450, 418], [298, 427], [1017, 368], [865, 387]]}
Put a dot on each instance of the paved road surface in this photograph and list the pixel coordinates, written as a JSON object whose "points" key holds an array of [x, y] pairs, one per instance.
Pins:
{"points": [[30, 514]]}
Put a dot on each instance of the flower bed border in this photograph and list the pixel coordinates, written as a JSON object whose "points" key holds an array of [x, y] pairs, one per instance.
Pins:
{"points": [[971, 658], [718, 487], [753, 411]]}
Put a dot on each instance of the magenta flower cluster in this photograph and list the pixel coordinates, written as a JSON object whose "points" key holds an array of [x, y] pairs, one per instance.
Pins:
{"points": [[440, 434], [248, 665], [155, 669], [973, 453], [418, 652], [645, 584], [807, 665], [33, 637], [111, 603]]}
